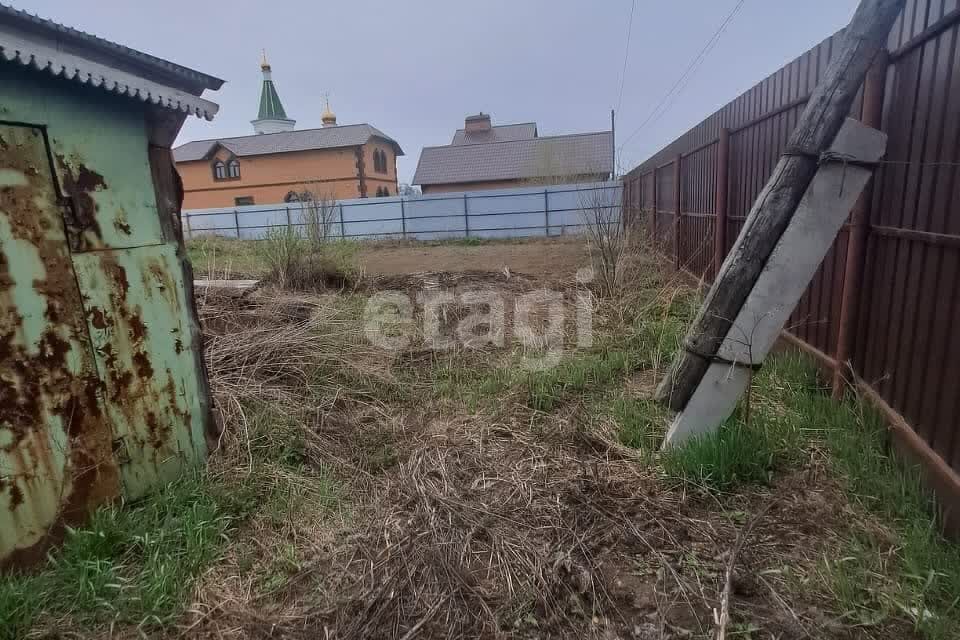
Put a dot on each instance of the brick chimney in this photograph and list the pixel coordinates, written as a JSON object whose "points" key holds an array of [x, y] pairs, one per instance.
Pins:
{"points": [[479, 122]]}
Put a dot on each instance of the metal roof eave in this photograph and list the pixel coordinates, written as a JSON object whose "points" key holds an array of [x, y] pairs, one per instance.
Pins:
{"points": [[44, 56]]}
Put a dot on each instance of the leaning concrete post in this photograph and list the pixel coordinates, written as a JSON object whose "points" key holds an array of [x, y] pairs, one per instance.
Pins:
{"points": [[842, 176], [818, 126]]}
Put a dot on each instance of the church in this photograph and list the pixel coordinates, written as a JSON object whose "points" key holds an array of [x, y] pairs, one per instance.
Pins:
{"points": [[278, 162]]}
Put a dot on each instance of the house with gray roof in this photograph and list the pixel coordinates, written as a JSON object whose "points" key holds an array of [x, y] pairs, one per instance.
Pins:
{"points": [[487, 156]]}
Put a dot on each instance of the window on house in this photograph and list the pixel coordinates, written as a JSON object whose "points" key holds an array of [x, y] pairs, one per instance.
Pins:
{"points": [[242, 201], [386, 192], [292, 196], [219, 170], [379, 161], [233, 169]]}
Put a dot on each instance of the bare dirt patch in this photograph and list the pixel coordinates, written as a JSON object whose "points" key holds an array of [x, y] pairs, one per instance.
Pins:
{"points": [[557, 258]]}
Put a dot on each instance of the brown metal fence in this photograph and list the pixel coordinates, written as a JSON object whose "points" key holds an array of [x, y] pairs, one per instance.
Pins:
{"points": [[886, 298]]}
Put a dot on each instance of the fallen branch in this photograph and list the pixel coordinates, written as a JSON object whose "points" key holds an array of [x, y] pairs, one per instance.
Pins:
{"points": [[724, 618]]}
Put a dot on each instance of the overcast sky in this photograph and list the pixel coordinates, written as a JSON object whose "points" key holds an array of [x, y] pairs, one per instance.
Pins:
{"points": [[415, 68]]}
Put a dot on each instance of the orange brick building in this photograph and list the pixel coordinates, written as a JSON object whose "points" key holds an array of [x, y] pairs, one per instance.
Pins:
{"points": [[278, 163]]}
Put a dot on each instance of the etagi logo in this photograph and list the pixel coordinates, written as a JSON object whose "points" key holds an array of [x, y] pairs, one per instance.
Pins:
{"points": [[538, 321]]}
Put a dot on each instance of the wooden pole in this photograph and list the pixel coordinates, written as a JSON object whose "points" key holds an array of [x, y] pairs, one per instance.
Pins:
{"points": [[823, 116], [873, 90], [720, 204], [678, 210]]}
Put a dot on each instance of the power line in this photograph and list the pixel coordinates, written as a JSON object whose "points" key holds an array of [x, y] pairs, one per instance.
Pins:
{"points": [[688, 73], [626, 54]]}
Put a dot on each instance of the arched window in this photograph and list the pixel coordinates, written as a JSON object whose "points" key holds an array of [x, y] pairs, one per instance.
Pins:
{"points": [[386, 192], [292, 196], [219, 170], [233, 168], [379, 161]]}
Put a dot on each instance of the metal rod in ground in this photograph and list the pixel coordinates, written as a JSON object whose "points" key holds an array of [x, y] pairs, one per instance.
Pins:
{"points": [[823, 116]]}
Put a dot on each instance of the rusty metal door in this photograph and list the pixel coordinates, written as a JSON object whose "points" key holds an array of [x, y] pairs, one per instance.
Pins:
{"points": [[102, 391], [55, 445]]}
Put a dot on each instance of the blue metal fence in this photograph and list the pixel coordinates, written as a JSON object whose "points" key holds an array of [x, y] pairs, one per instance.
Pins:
{"points": [[501, 213]]}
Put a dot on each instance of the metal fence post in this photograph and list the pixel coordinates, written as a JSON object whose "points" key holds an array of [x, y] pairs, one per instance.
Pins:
{"points": [[678, 220], [403, 219], [466, 217], [546, 212], [343, 228], [874, 88], [289, 227], [236, 222], [720, 204], [186, 223], [653, 210]]}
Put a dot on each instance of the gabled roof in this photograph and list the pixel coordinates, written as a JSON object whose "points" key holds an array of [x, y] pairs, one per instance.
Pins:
{"points": [[348, 135], [552, 156], [44, 45], [499, 133]]}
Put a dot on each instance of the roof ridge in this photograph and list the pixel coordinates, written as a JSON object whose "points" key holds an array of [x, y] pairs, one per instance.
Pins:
{"points": [[509, 124], [482, 144], [276, 133]]}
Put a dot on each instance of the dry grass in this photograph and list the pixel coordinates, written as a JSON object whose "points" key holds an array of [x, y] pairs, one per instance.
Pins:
{"points": [[495, 521]]}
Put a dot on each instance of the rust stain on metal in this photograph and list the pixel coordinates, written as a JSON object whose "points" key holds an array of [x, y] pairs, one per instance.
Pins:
{"points": [[142, 365], [80, 216], [138, 330], [99, 319], [49, 379]]}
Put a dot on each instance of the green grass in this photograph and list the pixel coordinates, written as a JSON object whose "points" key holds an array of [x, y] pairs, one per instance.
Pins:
{"points": [[214, 256], [130, 564], [914, 576], [784, 411], [137, 564], [575, 376], [640, 422]]}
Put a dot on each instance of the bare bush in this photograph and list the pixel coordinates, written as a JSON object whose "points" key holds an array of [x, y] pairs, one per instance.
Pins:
{"points": [[319, 210], [607, 236]]}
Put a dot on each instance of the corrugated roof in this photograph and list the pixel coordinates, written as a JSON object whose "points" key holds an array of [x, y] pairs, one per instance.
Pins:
{"points": [[552, 156], [66, 35], [44, 45], [348, 135], [499, 133]]}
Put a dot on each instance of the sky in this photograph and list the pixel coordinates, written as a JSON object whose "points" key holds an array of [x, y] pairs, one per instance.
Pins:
{"points": [[415, 68]]}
